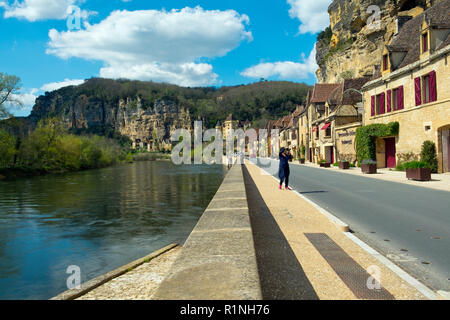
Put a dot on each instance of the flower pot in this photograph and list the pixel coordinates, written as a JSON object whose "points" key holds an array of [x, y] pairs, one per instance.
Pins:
{"points": [[369, 168], [302, 161], [419, 174], [344, 165], [325, 164]]}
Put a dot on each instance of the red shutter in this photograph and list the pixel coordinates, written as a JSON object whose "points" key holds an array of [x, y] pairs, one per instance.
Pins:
{"points": [[400, 99], [382, 102], [372, 113], [418, 91], [432, 82], [388, 101]]}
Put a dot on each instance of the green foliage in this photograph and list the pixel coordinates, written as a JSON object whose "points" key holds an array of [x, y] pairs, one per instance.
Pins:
{"points": [[368, 161], [429, 156], [50, 148], [7, 149], [257, 102], [347, 74], [367, 135], [325, 35], [415, 165], [9, 86]]}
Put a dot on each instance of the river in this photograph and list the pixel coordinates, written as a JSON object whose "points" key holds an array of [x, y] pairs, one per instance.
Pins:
{"points": [[97, 220]]}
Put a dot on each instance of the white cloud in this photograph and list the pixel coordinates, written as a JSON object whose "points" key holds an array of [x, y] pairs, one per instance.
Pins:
{"points": [[34, 10], [313, 15], [26, 100], [284, 69], [156, 45], [57, 85]]}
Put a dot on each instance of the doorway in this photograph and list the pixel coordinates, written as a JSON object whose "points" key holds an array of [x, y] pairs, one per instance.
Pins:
{"points": [[446, 150], [390, 150]]}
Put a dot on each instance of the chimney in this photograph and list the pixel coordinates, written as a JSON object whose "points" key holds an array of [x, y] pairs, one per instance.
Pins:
{"points": [[401, 20]]}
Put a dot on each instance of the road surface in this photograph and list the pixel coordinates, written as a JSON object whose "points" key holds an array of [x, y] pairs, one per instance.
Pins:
{"points": [[410, 225]]}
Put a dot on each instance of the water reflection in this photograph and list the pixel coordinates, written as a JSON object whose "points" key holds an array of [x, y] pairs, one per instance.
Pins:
{"points": [[98, 220]]}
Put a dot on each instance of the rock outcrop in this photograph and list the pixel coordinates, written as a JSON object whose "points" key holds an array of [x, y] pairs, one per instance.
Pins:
{"points": [[151, 125], [359, 31]]}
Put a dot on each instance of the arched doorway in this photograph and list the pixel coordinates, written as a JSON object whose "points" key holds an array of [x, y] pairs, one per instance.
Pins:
{"points": [[444, 148]]}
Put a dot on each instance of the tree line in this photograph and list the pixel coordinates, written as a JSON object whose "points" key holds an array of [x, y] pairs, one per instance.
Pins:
{"points": [[51, 148]]}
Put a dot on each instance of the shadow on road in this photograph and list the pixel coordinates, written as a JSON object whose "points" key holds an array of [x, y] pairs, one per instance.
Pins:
{"points": [[281, 275]]}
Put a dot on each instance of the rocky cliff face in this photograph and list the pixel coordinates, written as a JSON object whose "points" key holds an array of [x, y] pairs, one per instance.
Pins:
{"points": [[153, 125], [359, 31]]}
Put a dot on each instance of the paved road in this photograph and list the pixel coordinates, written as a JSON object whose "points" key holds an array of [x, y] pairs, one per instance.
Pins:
{"points": [[408, 224]]}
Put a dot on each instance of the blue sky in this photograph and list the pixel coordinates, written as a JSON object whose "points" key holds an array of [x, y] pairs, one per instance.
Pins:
{"points": [[189, 43]]}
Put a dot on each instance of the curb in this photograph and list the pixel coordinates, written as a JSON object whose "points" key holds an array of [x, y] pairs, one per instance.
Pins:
{"points": [[100, 280], [430, 294]]}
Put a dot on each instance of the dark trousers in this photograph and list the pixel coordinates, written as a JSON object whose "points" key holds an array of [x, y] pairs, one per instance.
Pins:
{"points": [[285, 177]]}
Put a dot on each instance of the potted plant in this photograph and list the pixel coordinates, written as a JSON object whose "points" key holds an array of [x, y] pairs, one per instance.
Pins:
{"points": [[417, 170], [369, 166], [302, 154], [324, 164], [344, 165]]}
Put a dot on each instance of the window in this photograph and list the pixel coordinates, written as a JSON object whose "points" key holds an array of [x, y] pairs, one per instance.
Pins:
{"points": [[380, 103], [426, 89], [394, 99], [424, 42], [328, 132], [317, 132], [385, 62]]}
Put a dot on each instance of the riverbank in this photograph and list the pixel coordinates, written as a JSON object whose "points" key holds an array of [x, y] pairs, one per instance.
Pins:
{"points": [[11, 174]]}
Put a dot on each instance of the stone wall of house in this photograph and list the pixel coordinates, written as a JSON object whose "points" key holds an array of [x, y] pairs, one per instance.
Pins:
{"points": [[417, 123]]}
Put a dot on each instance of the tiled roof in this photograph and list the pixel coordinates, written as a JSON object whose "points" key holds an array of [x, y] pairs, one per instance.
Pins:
{"points": [[229, 118], [408, 39], [322, 92]]}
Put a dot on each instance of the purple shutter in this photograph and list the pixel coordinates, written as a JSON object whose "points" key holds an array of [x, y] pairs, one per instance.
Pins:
{"points": [[382, 102], [388, 101], [418, 91], [400, 99], [432, 82], [372, 113]]}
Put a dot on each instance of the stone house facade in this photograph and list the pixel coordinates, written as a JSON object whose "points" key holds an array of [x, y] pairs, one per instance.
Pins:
{"points": [[413, 89]]}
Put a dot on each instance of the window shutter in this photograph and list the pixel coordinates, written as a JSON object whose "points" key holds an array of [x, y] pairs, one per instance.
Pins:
{"points": [[432, 82], [372, 113], [382, 103], [388, 101], [400, 99], [418, 91]]}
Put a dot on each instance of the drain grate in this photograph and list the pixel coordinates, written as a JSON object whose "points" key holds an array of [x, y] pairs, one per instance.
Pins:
{"points": [[350, 272]]}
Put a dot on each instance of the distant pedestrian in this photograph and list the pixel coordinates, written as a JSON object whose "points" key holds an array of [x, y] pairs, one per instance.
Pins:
{"points": [[284, 171]]}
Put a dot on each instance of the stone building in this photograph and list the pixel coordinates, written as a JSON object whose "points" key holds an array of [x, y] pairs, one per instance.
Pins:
{"points": [[413, 89], [320, 139], [229, 124]]}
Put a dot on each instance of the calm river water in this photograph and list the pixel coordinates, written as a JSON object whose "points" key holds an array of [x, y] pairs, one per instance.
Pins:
{"points": [[98, 220]]}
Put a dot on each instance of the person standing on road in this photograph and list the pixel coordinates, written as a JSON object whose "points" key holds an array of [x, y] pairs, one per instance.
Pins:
{"points": [[284, 171]]}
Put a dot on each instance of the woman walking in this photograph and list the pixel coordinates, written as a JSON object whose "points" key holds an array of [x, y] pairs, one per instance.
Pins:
{"points": [[284, 171]]}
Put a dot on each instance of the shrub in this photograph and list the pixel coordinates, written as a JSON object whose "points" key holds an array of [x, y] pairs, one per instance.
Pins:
{"points": [[367, 135], [415, 165], [368, 161], [7, 149], [429, 156]]}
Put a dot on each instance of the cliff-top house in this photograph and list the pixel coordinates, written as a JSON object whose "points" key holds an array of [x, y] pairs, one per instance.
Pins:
{"points": [[413, 89]]}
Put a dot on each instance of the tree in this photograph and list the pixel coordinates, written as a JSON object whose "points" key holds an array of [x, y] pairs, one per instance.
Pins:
{"points": [[7, 149], [9, 86]]}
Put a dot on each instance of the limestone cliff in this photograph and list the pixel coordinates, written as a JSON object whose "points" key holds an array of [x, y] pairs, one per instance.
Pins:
{"points": [[153, 125], [358, 34]]}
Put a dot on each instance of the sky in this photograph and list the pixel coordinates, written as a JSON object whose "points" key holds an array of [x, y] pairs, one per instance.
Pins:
{"points": [[50, 44]]}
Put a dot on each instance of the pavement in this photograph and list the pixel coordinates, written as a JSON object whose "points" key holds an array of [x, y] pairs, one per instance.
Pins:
{"points": [[407, 224], [302, 254]]}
